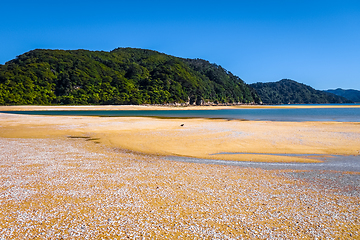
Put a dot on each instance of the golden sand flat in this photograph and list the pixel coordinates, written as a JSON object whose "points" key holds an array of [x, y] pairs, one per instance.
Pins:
{"points": [[70, 177]]}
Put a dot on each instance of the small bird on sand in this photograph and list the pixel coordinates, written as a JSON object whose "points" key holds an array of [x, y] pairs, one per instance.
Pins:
{"points": [[182, 125]]}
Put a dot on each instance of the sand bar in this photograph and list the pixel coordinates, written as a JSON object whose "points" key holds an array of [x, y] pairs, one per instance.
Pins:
{"points": [[200, 138], [154, 107]]}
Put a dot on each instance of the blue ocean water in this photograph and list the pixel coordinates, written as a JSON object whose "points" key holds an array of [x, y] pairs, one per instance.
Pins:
{"points": [[259, 114]]}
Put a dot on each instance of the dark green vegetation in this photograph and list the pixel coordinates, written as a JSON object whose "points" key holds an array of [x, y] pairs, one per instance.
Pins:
{"points": [[351, 94], [122, 76], [288, 91]]}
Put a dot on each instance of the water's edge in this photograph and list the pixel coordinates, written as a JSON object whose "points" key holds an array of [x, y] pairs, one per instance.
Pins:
{"points": [[333, 163], [254, 114]]}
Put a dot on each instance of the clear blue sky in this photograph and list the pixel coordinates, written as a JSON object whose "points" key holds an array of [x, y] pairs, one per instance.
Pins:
{"points": [[313, 42]]}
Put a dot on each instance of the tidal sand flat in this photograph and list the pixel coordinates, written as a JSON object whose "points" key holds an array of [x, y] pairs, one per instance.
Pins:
{"points": [[200, 138], [92, 177]]}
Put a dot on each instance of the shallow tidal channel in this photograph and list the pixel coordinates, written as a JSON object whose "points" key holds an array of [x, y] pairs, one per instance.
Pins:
{"points": [[329, 162]]}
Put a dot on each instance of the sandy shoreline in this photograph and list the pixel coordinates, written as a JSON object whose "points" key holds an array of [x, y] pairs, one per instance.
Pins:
{"points": [[70, 177]]}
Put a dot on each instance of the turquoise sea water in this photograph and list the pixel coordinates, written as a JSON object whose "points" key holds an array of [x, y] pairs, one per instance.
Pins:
{"points": [[260, 114]]}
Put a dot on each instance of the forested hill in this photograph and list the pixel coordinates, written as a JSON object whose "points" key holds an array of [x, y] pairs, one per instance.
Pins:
{"points": [[289, 91], [351, 94], [122, 76]]}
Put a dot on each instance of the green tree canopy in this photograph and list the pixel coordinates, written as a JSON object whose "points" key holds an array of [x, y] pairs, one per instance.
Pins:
{"points": [[122, 76], [289, 91]]}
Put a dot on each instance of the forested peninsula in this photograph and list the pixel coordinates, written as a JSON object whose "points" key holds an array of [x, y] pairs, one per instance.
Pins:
{"points": [[289, 91], [121, 76]]}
